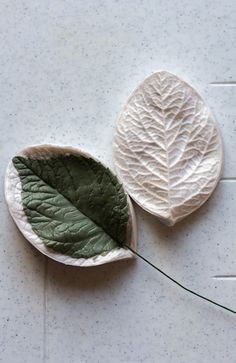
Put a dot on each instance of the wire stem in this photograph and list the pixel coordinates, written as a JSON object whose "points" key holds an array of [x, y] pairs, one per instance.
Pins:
{"points": [[177, 283]]}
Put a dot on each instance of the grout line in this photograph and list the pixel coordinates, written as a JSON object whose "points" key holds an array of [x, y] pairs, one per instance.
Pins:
{"points": [[228, 178], [45, 309], [225, 277], [223, 84]]}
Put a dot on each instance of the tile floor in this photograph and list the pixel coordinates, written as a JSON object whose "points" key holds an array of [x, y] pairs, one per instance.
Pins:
{"points": [[66, 68]]}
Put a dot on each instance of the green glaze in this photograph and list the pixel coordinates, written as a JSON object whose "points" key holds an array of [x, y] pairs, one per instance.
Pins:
{"points": [[74, 204]]}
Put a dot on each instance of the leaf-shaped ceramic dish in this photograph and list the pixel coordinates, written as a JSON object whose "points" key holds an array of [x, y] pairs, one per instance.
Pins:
{"points": [[70, 206], [168, 150]]}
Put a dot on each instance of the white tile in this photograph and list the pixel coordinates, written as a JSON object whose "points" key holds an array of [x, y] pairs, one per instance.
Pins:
{"points": [[128, 312], [66, 68], [221, 100], [21, 297]]}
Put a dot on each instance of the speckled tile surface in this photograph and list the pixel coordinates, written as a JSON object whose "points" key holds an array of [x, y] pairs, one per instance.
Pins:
{"points": [[66, 68], [21, 296]]}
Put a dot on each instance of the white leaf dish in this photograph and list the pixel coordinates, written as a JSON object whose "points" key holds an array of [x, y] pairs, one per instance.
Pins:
{"points": [[167, 150], [13, 189]]}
